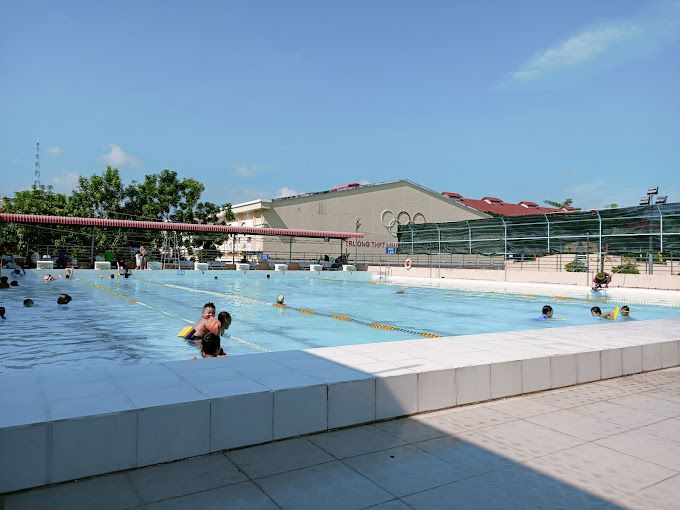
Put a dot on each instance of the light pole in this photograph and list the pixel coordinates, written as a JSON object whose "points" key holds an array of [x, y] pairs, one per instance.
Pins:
{"points": [[652, 191]]}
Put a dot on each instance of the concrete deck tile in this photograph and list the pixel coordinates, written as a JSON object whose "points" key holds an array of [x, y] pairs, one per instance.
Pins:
{"points": [[356, 441], [668, 429], [409, 430], [166, 481], [405, 470], [529, 438], [665, 494], [279, 457], [110, 492], [511, 487], [326, 486], [577, 425], [603, 465], [649, 447], [395, 504], [473, 455], [474, 417], [650, 404], [242, 496], [521, 407], [620, 415]]}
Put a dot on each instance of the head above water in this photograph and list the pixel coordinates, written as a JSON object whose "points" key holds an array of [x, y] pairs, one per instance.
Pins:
{"points": [[2, 312], [210, 345], [63, 299], [3, 279], [28, 302], [14, 283], [208, 310], [547, 311], [225, 319], [595, 311], [280, 299], [625, 311]]}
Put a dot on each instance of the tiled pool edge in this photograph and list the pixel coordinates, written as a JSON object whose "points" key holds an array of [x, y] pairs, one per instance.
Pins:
{"points": [[166, 423]]}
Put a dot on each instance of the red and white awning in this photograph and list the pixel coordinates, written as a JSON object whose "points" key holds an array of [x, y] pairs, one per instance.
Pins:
{"points": [[159, 225]]}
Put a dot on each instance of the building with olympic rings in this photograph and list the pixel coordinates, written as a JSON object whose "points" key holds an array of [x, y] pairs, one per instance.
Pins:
{"points": [[376, 210]]}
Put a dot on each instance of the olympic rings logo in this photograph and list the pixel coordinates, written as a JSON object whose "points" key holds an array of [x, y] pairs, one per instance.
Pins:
{"points": [[392, 222]]}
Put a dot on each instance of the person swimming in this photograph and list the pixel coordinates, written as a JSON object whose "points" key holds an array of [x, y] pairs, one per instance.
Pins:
{"points": [[280, 299], [64, 299], [48, 278], [596, 311], [4, 284], [201, 327], [210, 346], [546, 313], [28, 302], [2, 312], [225, 321], [625, 313]]}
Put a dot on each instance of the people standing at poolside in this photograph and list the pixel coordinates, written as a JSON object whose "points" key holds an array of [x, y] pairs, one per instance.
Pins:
{"points": [[138, 260], [143, 253]]}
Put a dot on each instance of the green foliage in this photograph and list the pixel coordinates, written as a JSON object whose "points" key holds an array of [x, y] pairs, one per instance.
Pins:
{"points": [[564, 203], [576, 266], [159, 197], [627, 267]]}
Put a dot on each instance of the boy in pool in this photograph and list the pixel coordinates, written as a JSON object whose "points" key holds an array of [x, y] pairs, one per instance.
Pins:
{"points": [[2, 312], [225, 322], [201, 327], [546, 313], [63, 299], [210, 346], [625, 313], [595, 311]]}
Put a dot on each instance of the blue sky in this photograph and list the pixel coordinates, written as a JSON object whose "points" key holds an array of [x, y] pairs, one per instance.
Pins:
{"points": [[521, 100]]}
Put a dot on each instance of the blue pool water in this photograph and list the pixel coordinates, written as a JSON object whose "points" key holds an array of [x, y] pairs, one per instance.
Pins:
{"points": [[100, 325]]}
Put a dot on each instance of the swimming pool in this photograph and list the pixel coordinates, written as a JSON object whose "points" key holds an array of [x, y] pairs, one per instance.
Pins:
{"points": [[137, 320]]}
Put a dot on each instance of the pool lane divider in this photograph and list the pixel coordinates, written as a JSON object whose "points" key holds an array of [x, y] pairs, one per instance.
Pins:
{"points": [[375, 325], [242, 341]]}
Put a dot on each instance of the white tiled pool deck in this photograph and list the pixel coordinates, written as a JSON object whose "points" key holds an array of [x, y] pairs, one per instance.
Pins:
{"points": [[607, 444], [67, 425]]}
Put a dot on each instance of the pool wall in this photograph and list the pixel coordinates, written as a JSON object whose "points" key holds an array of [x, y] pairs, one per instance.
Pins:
{"points": [[64, 425], [662, 281]]}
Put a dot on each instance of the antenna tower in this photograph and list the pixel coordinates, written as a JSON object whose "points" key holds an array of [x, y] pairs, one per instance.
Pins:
{"points": [[36, 182]]}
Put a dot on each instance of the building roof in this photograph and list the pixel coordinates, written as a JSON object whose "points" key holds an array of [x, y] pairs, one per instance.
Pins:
{"points": [[496, 206]]}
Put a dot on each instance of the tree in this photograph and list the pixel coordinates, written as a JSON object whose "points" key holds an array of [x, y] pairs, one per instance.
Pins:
{"points": [[99, 196], [611, 206], [565, 203], [37, 200]]}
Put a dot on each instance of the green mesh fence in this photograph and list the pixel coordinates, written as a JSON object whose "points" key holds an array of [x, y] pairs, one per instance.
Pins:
{"points": [[624, 231]]}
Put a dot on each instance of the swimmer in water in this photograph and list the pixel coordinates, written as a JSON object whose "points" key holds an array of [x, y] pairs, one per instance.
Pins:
{"points": [[63, 299], [546, 313], [225, 322], [48, 278], [201, 327], [210, 346], [4, 283], [280, 299], [625, 313], [28, 302], [2, 312], [595, 311]]}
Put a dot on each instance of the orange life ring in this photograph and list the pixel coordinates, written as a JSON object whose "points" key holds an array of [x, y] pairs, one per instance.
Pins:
{"points": [[408, 264]]}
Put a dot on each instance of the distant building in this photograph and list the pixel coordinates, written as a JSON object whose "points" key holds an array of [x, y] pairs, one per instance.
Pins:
{"points": [[496, 206], [376, 210]]}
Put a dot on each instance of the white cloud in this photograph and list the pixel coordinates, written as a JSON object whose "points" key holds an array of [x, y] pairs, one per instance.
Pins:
{"points": [[117, 158], [364, 182], [286, 192], [576, 50], [65, 182], [54, 151], [245, 170]]}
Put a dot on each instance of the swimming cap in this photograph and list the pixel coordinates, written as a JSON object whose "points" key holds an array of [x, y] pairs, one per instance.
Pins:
{"points": [[280, 298]]}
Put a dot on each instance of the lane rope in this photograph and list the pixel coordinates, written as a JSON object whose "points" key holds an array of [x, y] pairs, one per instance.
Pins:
{"points": [[239, 340], [306, 311]]}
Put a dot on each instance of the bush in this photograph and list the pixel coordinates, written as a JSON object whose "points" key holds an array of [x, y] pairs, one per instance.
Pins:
{"points": [[626, 267], [575, 266]]}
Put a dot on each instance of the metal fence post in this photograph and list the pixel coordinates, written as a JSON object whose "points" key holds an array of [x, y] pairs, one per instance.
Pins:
{"points": [[439, 249], [469, 237], [505, 249]]}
